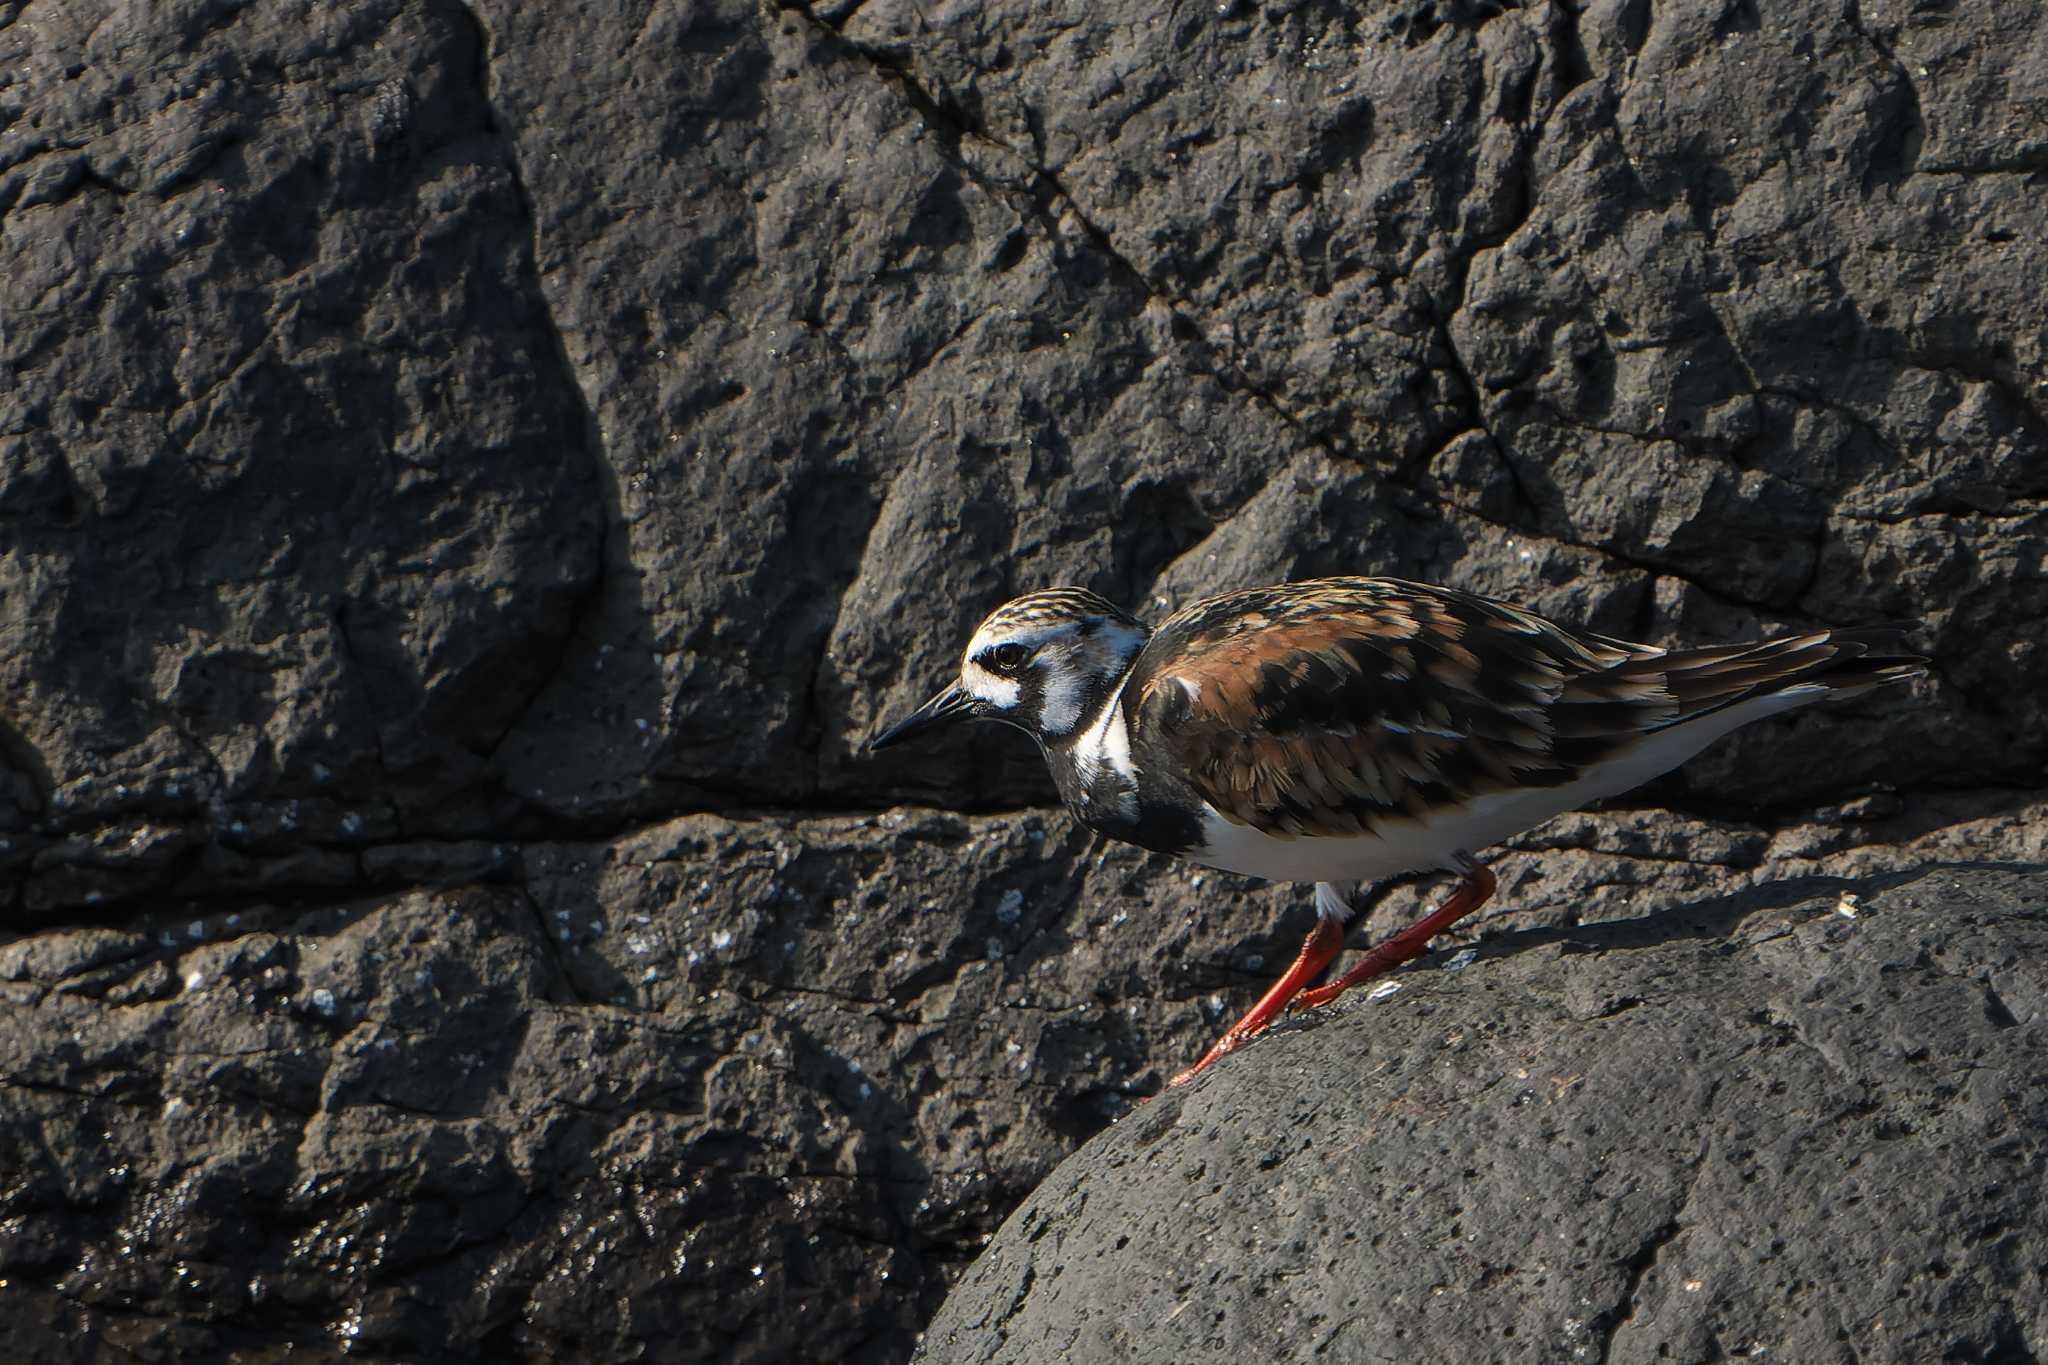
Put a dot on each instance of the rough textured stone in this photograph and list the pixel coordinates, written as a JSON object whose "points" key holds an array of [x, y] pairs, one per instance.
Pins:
{"points": [[1750, 1129], [462, 466], [297, 498], [715, 1089]]}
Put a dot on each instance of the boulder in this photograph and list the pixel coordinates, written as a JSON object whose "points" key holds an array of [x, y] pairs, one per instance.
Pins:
{"points": [[1778, 1125]]}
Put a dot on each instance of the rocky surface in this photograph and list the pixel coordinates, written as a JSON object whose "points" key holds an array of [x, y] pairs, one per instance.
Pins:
{"points": [[470, 476], [1809, 1131]]}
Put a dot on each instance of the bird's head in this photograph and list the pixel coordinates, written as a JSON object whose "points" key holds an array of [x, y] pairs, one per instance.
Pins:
{"points": [[1042, 663]]}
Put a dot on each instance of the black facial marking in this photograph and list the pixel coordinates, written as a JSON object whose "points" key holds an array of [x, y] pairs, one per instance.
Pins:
{"points": [[1006, 658]]}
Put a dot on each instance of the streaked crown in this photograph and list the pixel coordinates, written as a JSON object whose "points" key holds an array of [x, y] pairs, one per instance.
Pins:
{"points": [[1040, 617]]}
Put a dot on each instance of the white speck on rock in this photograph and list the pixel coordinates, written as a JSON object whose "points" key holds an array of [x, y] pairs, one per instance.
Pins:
{"points": [[194, 980], [1383, 990], [322, 1000], [1462, 959]]}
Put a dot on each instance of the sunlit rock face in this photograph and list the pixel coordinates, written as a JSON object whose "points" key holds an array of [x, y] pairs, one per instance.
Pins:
{"points": [[472, 477]]}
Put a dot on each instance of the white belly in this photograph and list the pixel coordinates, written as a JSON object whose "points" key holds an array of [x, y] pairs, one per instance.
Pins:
{"points": [[1406, 845], [1366, 858]]}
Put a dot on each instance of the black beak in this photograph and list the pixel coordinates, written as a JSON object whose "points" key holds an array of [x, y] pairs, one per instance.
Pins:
{"points": [[951, 704]]}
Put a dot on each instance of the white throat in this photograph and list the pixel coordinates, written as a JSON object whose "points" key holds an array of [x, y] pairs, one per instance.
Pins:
{"points": [[1106, 744]]}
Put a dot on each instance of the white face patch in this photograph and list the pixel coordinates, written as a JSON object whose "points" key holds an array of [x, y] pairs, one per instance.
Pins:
{"points": [[990, 687], [1065, 689]]}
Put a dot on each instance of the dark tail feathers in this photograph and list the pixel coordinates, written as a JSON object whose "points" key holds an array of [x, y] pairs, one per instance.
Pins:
{"points": [[1847, 662]]}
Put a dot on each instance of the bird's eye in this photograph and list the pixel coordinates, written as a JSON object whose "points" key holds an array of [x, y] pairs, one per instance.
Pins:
{"points": [[1007, 658]]}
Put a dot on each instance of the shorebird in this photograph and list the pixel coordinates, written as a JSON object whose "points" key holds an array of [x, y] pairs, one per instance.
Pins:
{"points": [[1347, 730]]}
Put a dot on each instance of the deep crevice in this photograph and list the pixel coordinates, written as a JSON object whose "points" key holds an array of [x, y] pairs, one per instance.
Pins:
{"points": [[610, 555]]}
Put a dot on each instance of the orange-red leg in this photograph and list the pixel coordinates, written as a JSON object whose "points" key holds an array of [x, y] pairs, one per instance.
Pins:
{"points": [[1472, 891], [1322, 944]]}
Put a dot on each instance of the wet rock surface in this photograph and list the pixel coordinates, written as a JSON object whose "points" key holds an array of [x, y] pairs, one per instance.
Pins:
{"points": [[470, 477], [1763, 1127]]}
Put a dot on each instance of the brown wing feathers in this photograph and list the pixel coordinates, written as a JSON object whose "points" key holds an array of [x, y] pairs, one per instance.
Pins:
{"points": [[1318, 708], [1322, 707]]}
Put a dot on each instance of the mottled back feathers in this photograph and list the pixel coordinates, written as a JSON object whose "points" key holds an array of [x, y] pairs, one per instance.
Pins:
{"points": [[1326, 707]]}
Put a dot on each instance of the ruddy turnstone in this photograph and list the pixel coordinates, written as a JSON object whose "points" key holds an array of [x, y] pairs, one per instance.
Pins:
{"points": [[1349, 729]]}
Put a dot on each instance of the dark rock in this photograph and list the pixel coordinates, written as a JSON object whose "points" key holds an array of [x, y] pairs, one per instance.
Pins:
{"points": [[299, 500], [472, 476], [757, 1081], [1747, 1128]]}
